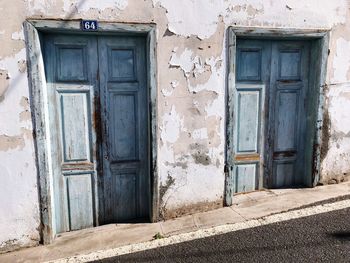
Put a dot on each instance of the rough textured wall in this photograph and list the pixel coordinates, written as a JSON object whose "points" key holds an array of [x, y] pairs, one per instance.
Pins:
{"points": [[191, 94], [19, 210]]}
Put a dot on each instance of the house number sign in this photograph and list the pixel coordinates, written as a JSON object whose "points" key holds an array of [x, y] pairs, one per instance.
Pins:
{"points": [[89, 25]]}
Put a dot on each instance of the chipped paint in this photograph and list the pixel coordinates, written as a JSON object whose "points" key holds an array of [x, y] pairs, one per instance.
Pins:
{"points": [[335, 163], [188, 18], [18, 35], [300, 14], [341, 61], [171, 126], [185, 61], [11, 142], [200, 134], [215, 81], [18, 169], [83, 6]]}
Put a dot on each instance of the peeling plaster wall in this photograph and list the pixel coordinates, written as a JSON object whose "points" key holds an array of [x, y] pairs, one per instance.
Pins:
{"points": [[19, 208], [191, 62]]}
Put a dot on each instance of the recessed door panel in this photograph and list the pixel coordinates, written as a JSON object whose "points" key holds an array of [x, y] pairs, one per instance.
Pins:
{"points": [[123, 127], [246, 177], [248, 115], [250, 64], [76, 130], [72, 62], [124, 201], [80, 200], [286, 120], [284, 173], [289, 64], [122, 65]]}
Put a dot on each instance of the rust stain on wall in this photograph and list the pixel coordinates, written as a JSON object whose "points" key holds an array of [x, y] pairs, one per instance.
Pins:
{"points": [[326, 134]]}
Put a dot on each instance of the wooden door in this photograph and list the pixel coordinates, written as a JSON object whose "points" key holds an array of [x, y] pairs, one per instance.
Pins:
{"points": [[285, 153], [269, 118], [98, 124], [124, 98], [252, 81]]}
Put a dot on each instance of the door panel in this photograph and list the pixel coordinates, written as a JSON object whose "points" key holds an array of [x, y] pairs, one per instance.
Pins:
{"points": [[248, 114], [123, 126], [289, 84], [75, 125], [80, 203], [125, 148], [71, 67], [249, 101], [289, 64], [72, 62], [249, 58], [284, 172], [286, 120], [245, 177], [125, 195]]}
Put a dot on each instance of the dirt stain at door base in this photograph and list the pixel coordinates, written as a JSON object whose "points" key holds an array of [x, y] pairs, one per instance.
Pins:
{"points": [[326, 134]]}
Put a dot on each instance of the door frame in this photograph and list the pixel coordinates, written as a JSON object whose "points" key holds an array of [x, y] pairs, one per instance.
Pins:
{"points": [[33, 30], [319, 39]]}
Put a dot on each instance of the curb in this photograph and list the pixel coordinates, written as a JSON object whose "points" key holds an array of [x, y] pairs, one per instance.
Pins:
{"points": [[202, 233]]}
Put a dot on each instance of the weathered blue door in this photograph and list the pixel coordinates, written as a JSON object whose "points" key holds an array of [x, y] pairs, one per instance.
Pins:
{"points": [[98, 125], [269, 114], [286, 135], [125, 131]]}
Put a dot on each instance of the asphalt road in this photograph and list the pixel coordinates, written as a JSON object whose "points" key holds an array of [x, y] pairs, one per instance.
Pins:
{"points": [[319, 238]]}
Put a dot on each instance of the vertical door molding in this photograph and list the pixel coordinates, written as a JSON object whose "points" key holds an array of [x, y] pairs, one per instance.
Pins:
{"points": [[230, 88], [39, 107], [38, 99], [319, 61], [151, 60], [320, 42]]}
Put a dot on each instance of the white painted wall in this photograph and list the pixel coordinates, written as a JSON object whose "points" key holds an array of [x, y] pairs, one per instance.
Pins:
{"points": [[19, 208]]}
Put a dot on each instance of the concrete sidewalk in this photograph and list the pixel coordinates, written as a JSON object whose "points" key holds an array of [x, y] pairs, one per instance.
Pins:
{"points": [[246, 207]]}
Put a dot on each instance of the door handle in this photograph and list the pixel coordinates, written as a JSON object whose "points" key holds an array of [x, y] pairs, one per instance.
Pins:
{"points": [[106, 157]]}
